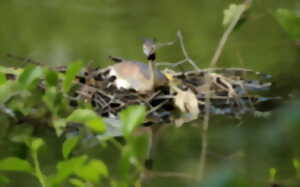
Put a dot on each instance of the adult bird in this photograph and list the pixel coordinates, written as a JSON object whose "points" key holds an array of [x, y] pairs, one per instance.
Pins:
{"points": [[137, 75]]}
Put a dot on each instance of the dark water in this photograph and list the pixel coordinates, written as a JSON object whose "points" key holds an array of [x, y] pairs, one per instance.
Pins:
{"points": [[240, 151]]}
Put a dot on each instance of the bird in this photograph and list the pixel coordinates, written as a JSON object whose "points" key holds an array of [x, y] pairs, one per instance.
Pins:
{"points": [[137, 75]]}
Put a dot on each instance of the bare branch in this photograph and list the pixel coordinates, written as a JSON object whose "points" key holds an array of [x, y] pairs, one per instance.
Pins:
{"points": [[159, 45], [219, 50], [171, 174], [180, 38], [227, 33], [172, 64], [23, 59]]}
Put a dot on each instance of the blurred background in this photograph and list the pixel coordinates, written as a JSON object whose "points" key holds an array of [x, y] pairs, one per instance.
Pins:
{"points": [[241, 151]]}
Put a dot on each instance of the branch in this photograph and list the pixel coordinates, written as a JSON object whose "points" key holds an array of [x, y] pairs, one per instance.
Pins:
{"points": [[219, 50], [159, 45], [23, 59], [171, 174], [172, 64], [227, 33], [180, 38]]}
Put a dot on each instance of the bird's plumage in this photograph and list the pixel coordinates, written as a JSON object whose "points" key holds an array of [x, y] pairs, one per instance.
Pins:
{"points": [[136, 75]]}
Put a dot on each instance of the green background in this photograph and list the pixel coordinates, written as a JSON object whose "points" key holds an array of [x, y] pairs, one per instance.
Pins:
{"points": [[240, 152]]}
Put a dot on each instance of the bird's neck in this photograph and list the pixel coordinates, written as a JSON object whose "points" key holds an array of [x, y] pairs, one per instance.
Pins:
{"points": [[152, 69]]}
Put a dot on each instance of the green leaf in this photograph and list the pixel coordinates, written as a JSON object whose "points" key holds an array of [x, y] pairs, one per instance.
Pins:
{"points": [[2, 78], [51, 78], [96, 124], [59, 126], [36, 144], [132, 117], [4, 180], [15, 164], [8, 90], [69, 145], [231, 13], [93, 171], [29, 75], [53, 99], [289, 21], [89, 118], [77, 183], [66, 169], [73, 70]]}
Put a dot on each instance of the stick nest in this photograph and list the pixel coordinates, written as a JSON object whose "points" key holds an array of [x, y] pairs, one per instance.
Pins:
{"points": [[230, 91]]}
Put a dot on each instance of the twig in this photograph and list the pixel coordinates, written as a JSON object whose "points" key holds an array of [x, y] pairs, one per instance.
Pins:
{"points": [[208, 70], [159, 45], [23, 59], [153, 109], [101, 92], [153, 95], [204, 142], [213, 63], [173, 65], [227, 33], [180, 38], [171, 174], [165, 97]]}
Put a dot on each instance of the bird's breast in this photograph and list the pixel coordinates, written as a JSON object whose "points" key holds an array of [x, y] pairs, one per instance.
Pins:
{"points": [[135, 75]]}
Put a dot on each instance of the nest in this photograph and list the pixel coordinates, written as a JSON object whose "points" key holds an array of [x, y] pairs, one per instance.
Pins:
{"points": [[231, 91], [187, 96]]}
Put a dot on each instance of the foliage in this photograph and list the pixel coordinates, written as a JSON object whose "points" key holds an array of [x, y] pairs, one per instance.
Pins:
{"points": [[36, 94], [26, 112]]}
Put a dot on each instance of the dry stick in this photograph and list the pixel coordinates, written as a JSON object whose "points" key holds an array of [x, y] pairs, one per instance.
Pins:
{"points": [[226, 34], [172, 64], [31, 61], [159, 45], [153, 109], [213, 63], [103, 93], [180, 38], [171, 174], [185, 54], [24, 59]]}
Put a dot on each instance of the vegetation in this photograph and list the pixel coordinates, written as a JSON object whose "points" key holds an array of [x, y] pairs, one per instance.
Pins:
{"points": [[36, 111]]}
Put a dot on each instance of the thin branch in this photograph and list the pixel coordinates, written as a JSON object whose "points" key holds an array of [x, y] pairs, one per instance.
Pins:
{"points": [[153, 109], [187, 57], [171, 175], [23, 59], [159, 45], [204, 142], [219, 50], [227, 33], [172, 64]]}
